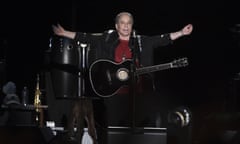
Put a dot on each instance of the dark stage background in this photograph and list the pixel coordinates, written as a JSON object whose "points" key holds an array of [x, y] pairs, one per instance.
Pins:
{"points": [[208, 85]]}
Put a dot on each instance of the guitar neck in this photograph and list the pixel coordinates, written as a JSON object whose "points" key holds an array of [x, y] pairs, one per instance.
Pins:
{"points": [[154, 68]]}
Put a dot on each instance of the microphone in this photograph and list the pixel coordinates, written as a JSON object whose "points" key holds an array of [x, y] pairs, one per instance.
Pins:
{"points": [[134, 34], [133, 40]]}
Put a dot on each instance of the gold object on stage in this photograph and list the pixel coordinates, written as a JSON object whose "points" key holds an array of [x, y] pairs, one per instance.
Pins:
{"points": [[37, 100], [37, 103]]}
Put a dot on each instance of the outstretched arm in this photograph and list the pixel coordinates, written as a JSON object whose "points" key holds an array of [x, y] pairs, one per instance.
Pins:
{"points": [[60, 31], [186, 30]]}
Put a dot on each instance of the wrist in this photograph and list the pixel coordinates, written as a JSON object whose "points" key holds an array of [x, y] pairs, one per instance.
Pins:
{"points": [[181, 33]]}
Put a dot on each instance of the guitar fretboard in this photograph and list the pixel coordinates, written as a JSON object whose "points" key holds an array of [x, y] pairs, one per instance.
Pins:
{"points": [[154, 68]]}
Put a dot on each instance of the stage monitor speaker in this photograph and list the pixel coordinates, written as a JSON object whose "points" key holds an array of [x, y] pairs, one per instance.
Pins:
{"points": [[123, 135]]}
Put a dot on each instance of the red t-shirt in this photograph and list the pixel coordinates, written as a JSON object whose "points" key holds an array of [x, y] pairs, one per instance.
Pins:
{"points": [[122, 52]]}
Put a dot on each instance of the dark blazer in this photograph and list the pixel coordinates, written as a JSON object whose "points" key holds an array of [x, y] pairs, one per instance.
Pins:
{"points": [[104, 44]]}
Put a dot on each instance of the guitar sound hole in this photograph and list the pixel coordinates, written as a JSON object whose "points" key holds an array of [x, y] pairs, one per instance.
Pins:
{"points": [[122, 74]]}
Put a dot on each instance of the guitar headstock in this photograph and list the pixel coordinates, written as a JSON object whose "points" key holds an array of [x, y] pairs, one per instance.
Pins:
{"points": [[182, 62]]}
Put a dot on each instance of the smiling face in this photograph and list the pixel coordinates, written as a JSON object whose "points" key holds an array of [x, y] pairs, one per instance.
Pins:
{"points": [[123, 25]]}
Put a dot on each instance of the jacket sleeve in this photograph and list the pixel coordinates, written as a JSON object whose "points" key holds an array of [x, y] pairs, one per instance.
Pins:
{"points": [[81, 37], [160, 40]]}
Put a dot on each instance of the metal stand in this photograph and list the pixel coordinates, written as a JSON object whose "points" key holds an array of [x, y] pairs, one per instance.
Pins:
{"points": [[82, 108], [133, 81], [82, 49]]}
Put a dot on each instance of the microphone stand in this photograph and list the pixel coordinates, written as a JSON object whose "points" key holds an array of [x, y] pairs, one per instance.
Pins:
{"points": [[133, 67], [83, 108], [82, 69]]}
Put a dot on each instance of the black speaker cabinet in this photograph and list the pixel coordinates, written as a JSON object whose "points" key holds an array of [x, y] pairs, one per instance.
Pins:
{"points": [[17, 115], [68, 63], [125, 135], [25, 135], [2, 77]]}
